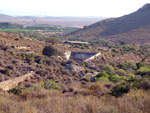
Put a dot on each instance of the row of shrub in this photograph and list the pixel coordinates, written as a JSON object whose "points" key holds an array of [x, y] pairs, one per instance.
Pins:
{"points": [[49, 84]]}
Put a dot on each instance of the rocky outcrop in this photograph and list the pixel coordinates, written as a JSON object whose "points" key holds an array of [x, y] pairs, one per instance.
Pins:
{"points": [[67, 55], [75, 68]]}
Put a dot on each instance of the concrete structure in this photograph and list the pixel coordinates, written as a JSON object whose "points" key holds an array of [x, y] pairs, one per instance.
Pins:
{"points": [[76, 42], [83, 56]]}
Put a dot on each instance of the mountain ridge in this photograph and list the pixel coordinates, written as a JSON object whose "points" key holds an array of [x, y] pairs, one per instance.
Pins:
{"points": [[113, 27], [50, 20]]}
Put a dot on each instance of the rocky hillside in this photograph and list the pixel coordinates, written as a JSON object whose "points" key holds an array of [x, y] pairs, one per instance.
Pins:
{"points": [[133, 28], [21, 56]]}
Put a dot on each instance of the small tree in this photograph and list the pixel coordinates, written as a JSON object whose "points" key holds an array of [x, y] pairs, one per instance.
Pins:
{"points": [[121, 72], [143, 71], [85, 27], [50, 84], [50, 51], [122, 42], [108, 69], [101, 74], [53, 40]]}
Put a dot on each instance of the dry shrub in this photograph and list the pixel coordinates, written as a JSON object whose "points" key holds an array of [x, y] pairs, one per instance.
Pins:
{"points": [[51, 101], [42, 72], [86, 92], [146, 106], [28, 84], [144, 84], [109, 85], [2, 63], [38, 94], [97, 88], [2, 77]]}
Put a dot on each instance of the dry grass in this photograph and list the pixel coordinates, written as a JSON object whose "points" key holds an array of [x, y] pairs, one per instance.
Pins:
{"points": [[52, 101]]}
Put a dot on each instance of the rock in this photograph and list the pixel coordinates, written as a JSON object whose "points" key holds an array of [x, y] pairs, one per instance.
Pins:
{"points": [[74, 68]]}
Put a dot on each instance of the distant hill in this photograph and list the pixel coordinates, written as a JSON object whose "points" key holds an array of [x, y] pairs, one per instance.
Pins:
{"points": [[3, 16], [50, 20], [133, 28]]}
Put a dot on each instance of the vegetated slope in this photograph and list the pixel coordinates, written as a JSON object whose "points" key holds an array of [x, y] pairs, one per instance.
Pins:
{"points": [[14, 52], [21, 56], [132, 28]]}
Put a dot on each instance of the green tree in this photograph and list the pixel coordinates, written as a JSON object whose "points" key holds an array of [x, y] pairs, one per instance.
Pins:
{"points": [[101, 74], [143, 71], [50, 84], [108, 69], [50, 51], [53, 40]]}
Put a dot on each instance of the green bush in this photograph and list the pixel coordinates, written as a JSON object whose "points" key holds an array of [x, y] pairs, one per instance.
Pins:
{"points": [[128, 65], [82, 64], [116, 78], [108, 69], [28, 57], [53, 40], [144, 84], [131, 75], [141, 64], [123, 43], [121, 72], [16, 91], [86, 79], [50, 51], [119, 90], [102, 79], [101, 74], [143, 71], [50, 84], [87, 71], [132, 82], [85, 27]]}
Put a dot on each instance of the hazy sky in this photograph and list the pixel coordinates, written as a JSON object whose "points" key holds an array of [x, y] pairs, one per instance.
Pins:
{"points": [[104, 8]]}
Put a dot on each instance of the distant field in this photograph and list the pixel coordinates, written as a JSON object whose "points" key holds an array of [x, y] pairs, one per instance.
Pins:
{"points": [[19, 28], [63, 21], [16, 30]]}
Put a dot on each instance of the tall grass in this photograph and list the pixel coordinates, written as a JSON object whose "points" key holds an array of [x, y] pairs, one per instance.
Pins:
{"points": [[53, 101]]}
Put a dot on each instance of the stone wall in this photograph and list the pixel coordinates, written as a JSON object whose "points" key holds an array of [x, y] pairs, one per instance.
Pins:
{"points": [[9, 84]]}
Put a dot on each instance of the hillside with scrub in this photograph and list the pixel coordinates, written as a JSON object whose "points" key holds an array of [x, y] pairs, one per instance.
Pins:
{"points": [[133, 28], [119, 82], [89, 70]]}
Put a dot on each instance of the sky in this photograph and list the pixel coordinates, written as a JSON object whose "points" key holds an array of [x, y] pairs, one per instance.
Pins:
{"points": [[96, 8]]}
